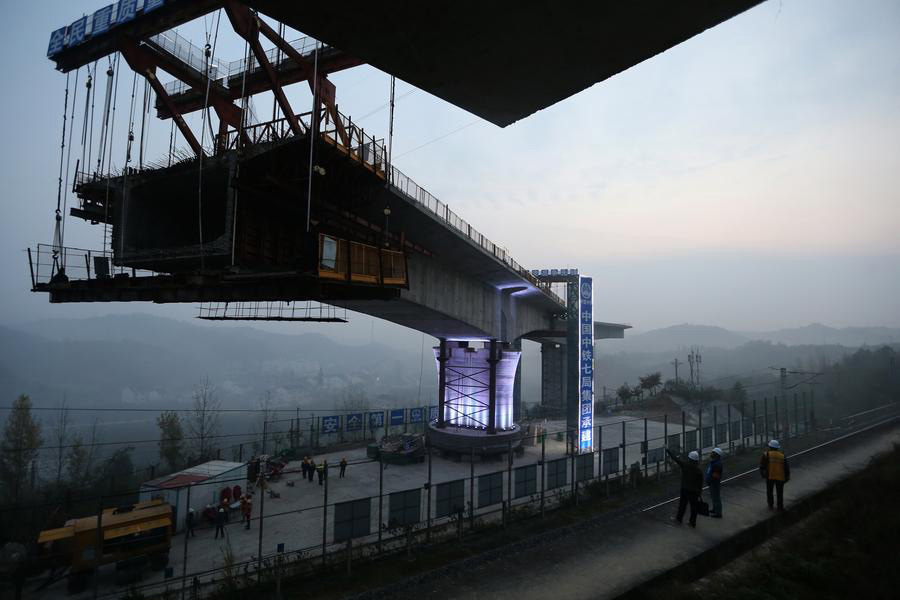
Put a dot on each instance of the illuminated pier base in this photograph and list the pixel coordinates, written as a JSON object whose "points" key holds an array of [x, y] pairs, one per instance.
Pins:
{"points": [[475, 398]]}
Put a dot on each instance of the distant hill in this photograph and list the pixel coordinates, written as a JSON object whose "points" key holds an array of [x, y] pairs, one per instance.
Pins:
{"points": [[816, 334], [143, 359], [676, 337], [682, 337]]}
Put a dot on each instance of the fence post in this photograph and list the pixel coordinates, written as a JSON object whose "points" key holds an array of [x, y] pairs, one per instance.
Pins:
{"points": [[715, 431], [428, 496], [805, 415], [777, 424], [380, 497], [262, 513], [765, 420], [624, 461], [509, 476], [472, 489], [796, 417], [666, 441], [755, 425], [187, 533], [646, 449], [543, 468], [573, 433], [325, 513], [730, 441], [98, 550], [699, 440]]}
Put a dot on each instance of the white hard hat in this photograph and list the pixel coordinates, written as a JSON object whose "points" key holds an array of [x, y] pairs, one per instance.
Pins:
{"points": [[774, 444], [718, 451], [190, 510], [693, 455]]}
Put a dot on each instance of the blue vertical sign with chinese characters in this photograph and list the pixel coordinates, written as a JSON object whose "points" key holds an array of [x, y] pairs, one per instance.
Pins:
{"points": [[586, 361]]}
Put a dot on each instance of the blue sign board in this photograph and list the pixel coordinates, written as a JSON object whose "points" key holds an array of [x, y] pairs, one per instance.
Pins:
{"points": [[376, 420], [331, 424], [416, 415], [398, 416], [354, 422], [586, 370], [432, 413], [99, 22]]}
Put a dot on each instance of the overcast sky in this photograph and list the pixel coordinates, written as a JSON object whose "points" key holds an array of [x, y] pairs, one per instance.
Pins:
{"points": [[747, 178]]}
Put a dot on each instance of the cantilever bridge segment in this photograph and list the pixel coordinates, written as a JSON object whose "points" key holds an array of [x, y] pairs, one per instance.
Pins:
{"points": [[308, 207]]}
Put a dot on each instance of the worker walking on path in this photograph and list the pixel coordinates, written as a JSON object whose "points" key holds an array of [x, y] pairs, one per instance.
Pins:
{"points": [[714, 481], [320, 471], [691, 485], [774, 468], [343, 467], [189, 523], [220, 523], [311, 469]]}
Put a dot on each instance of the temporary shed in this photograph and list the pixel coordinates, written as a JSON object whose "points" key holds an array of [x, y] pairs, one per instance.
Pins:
{"points": [[203, 483]]}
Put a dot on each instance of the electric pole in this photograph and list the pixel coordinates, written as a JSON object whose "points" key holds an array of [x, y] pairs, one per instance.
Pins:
{"points": [[691, 364], [676, 362]]}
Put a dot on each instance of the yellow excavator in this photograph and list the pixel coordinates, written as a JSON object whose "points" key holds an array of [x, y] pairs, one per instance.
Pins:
{"points": [[130, 536]]}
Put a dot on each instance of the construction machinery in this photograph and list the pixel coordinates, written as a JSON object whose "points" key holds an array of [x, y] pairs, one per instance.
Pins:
{"points": [[130, 537]]}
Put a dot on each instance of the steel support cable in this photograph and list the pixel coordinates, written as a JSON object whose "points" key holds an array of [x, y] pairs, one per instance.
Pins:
{"points": [[87, 136], [239, 145], [104, 128], [390, 132], [313, 133], [57, 239], [144, 111], [209, 54], [111, 132], [62, 232], [128, 144]]}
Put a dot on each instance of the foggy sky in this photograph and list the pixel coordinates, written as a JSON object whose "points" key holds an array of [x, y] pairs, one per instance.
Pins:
{"points": [[747, 178]]}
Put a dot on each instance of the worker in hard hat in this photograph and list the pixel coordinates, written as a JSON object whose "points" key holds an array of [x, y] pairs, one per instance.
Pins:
{"points": [[714, 481], [691, 485], [774, 468]]}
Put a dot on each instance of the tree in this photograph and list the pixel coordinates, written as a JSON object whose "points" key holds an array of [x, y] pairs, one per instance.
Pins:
{"points": [[274, 437], [61, 438], [77, 460], [21, 440], [650, 382], [171, 438], [203, 421], [624, 393], [119, 469]]}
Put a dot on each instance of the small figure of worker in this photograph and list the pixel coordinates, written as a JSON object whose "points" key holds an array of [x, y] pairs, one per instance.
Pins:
{"points": [[304, 466], [220, 523], [343, 467], [691, 485], [320, 471], [189, 523], [714, 481], [774, 468], [227, 506], [311, 469], [246, 510]]}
